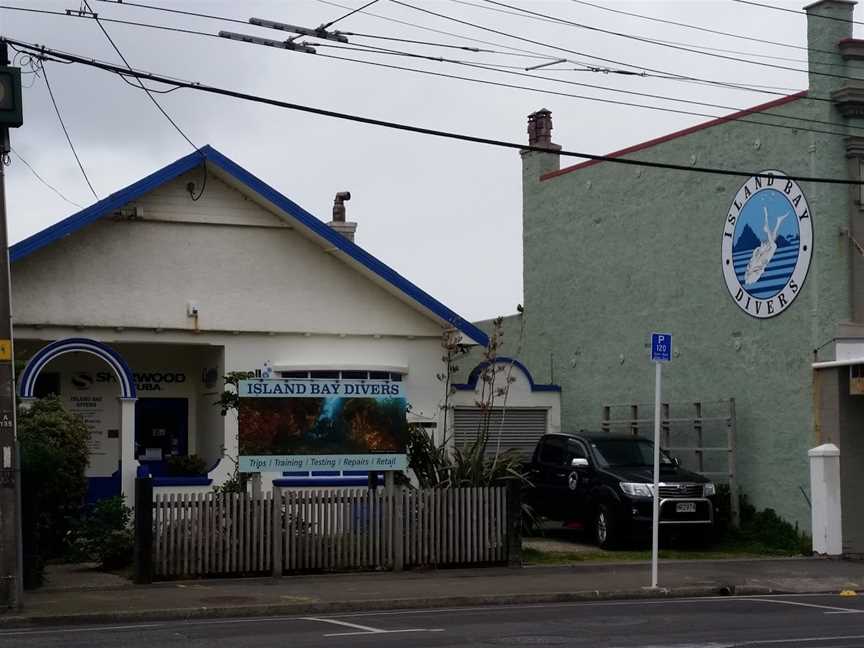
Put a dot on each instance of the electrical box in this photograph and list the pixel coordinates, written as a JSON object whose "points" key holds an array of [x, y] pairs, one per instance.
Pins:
{"points": [[11, 114]]}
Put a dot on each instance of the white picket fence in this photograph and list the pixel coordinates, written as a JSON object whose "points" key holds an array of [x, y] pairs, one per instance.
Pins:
{"points": [[289, 531]]}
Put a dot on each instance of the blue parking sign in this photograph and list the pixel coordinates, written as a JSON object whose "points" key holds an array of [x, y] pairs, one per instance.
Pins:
{"points": [[661, 347]]}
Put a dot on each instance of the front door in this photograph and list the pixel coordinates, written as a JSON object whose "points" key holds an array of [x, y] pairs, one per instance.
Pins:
{"points": [[161, 430]]}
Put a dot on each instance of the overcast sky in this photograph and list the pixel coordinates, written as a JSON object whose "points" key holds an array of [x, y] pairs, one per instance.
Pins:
{"points": [[445, 214]]}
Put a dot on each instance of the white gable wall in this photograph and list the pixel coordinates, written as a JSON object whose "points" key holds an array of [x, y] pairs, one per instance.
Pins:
{"points": [[244, 268], [265, 292]]}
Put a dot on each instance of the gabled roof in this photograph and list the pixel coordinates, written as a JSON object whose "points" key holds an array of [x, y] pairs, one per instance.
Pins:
{"points": [[247, 183]]}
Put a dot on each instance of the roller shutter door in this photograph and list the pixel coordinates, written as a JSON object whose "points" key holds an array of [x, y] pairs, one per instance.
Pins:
{"points": [[519, 428]]}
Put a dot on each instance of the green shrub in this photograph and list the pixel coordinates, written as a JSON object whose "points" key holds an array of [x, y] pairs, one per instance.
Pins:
{"points": [[189, 466], [105, 534], [461, 467], [760, 531], [54, 455]]}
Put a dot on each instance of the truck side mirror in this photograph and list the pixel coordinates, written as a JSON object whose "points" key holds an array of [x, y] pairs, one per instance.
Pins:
{"points": [[676, 461], [579, 462]]}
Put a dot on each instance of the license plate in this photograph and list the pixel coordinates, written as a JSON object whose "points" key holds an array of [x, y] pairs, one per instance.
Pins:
{"points": [[685, 507]]}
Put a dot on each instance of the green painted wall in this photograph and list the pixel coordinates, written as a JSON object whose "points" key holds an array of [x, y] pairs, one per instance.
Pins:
{"points": [[612, 252]]}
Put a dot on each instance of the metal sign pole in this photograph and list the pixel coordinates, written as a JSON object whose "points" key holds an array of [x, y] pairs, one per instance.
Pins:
{"points": [[655, 521], [661, 351]]}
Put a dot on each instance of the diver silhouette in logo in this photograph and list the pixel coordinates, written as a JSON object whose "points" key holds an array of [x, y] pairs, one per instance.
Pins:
{"points": [[763, 254]]}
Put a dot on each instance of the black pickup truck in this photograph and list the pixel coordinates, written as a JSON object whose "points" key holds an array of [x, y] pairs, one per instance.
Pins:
{"points": [[604, 484]]}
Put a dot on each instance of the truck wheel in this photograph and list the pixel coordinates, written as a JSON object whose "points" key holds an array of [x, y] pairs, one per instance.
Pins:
{"points": [[605, 533]]}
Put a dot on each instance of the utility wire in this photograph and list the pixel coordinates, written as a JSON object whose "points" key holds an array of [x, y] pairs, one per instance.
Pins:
{"points": [[569, 51], [467, 48], [491, 66], [349, 14], [629, 104], [66, 132], [650, 41], [125, 3], [500, 69], [517, 71], [797, 11], [143, 87], [215, 90], [329, 3], [553, 20], [528, 53], [43, 180], [503, 70], [749, 39]]}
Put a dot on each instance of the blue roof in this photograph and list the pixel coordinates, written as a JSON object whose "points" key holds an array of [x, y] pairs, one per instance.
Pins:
{"points": [[115, 201]]}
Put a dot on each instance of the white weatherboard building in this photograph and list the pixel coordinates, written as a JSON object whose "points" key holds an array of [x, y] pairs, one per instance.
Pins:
{"points": [[134, 309]]}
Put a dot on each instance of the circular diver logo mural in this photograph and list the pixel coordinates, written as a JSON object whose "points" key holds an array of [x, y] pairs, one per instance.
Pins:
{"points": [[767, 244]]}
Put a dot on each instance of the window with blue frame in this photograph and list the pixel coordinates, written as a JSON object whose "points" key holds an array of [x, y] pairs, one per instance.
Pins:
{"points": [[341, 374]]}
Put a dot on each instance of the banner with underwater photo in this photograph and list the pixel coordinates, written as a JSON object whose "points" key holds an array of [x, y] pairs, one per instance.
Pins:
{"points": [[298, 425]]}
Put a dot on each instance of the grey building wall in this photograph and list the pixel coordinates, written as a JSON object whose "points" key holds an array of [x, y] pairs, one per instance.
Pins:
{"points": [[613, 252]]}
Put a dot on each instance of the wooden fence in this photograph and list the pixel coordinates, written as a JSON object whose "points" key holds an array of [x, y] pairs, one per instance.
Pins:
{"points": [[290, 531]]}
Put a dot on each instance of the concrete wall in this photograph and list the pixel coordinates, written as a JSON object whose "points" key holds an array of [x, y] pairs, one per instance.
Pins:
{"points": [[614, 252]]}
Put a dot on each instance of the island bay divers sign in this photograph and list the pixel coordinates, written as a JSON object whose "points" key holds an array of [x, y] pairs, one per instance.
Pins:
{"points": [[767, 244]]}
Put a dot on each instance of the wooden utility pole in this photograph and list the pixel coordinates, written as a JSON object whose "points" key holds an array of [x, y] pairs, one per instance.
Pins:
{"points": [[10, 495]]}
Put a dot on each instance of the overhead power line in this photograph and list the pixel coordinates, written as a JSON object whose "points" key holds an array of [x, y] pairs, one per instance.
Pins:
{"points": [[749, 39], [143, 87], [66, 132], [43, 180], [650, 41], [349, 14], [569, 51], [329, 3], [215, 90], [553, 20], [528, 53], [195, 14], [501, 70], [373, 49], [797, 11], [491, 67]]}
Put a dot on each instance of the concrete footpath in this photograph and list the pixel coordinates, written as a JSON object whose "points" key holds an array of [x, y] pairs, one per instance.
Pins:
{"points": [[323, 593]]}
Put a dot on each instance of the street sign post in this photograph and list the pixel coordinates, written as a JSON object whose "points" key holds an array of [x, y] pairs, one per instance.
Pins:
{"points": [[661, 351]]}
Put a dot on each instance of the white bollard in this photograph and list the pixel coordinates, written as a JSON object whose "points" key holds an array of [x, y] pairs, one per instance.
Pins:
{"points": [[825, 496]]}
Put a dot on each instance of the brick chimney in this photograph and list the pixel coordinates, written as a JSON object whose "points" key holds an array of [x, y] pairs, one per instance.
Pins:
{"points": [[339, 224], [540, 128], [536, 163]]}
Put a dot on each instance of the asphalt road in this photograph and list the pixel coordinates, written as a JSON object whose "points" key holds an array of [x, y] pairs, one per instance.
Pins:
{"points": [[770, 622]]}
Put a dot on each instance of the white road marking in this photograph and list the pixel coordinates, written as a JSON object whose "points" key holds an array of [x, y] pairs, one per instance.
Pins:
{"points": [[356, 626], [446, 610], [755, 642], [797, 640], [833, 610], [364, 630], [354, 634], [12, 633], [692, 645]]}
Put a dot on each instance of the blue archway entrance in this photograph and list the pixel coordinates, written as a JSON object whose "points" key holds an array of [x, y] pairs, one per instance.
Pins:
{"points": [[128, 396]]}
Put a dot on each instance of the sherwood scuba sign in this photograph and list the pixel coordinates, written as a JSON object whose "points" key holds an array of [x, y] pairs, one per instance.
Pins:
{"points": [[145, 381], [767, 244]]}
